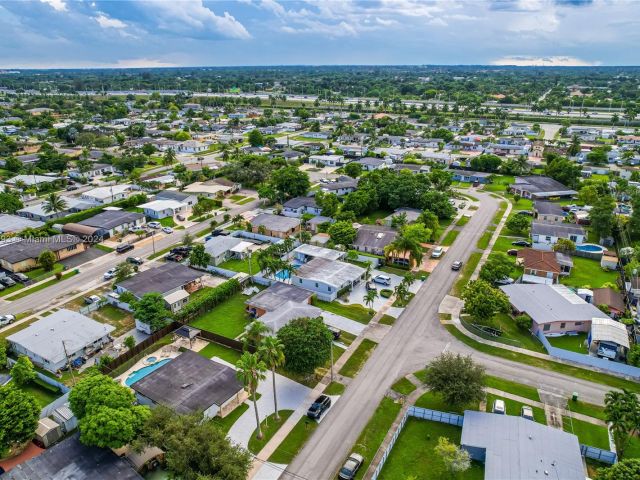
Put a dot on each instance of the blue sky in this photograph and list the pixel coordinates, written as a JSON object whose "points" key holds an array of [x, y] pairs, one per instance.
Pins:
{"points": [[141, 33]]}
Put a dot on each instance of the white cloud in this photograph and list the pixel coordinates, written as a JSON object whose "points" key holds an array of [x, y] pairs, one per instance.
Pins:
{"points": [[552, 61], [107, 22], [57, 5]]}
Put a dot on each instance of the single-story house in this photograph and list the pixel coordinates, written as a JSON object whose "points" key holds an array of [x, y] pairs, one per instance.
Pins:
{"points": [[115, 221], [289, 155], [60, 338], [37, 211], [539, 187], [15, 224], [192, 146], [411, 214], [33, 180], [275, 296], [209, 189], [225, 247], [163, 208], [275, 225], [191, 383], [554, 309], [373, 238], [21, 254], [296, 207], [327, 278], [545, 235], [342, 187], [305, 252], [608, 338], [612, 299], [287, 312], [469, 176], [320, 239], [548, 212], [542, 266], [95, 170], [369, 164], [514, 448], [185, 198], [327, 160], [110, 194]]}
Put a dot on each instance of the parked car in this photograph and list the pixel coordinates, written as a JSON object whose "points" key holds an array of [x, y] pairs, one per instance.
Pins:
{"points": [[528, 213], [317, 408], [457, 265], [382, 279], [335, 332], [154, 225], [20, 277], [135, 260], [526, 412], [91, 299], [217, 232], [6, 320], [124, 248], [498, 407], [109, 274], [521, 243], [437, 252], [513, 252], [371, 286], [7, 281], [167, 230], [505, 281], [174, 257], [71, 188], [351, 467], [182, 250]]}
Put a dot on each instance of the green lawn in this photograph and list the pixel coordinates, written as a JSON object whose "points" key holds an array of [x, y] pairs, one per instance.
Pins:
{"points": [[442, 226], [595, 411], [269, 427], [294, 441], [503, 244], [41, 286], [587, 273], [587, 433], [413, 454], [434, 401], [120, 319], [511, 334], [374, 432], [387, 320], [358, 358], [235, 198], [334, 388], [396, 270], [353, 311], [450, 237], [499, 184], [346, 338], [167, 222], [227, 422], [467, 270], [242, 265], [228, 319], [514, 388], [403, 386], [245, 201], [38, 274], [371, 217], [217, 350], [483, 241], [515, 408], [574, 343], [42, 392], [463, 220]]}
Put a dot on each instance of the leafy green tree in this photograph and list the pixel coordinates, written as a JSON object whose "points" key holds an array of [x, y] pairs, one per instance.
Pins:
{"points": [[454, 458], [10, 203], [518, 224], [602, 217], [129, 342], [307, 344], [328, 202], [486, 163], [199, 256], [342, 233], [497, 267], [169, 157], [438, 203], [564, 245], [194, 449], [251, 371], [123, 271], [622, 411], [151, 309], [563, 170], [482, 301], [271, 352], [22, 371], [255, 334], [19, 414], [47, 260], [3, 353], [627, 469], [430, 222], [288, 182], [597, 156], [106, 411], [353, 169], [148, 149], [456, 378], [256, 139]]}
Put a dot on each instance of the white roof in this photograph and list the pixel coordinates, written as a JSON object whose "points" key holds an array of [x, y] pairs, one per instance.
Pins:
{"points": [[608, 330], [32, 179], [176, 296], [106, 192], [280, 317], [241, 247], [331, 272], [161, 205], [218, 245], [318, 252], [199, 187]]}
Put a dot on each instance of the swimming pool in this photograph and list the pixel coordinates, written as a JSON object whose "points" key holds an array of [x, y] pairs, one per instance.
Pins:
{"points": [[590, 247], [144, 371], [283, 275]]}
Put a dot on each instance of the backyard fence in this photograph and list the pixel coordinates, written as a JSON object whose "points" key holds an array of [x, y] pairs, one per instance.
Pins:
{"points": [[601, 363], [487, 336], [92, 307], [227, 342], [57, 403]]}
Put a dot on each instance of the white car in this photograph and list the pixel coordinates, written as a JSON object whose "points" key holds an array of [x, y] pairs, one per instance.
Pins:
{"points": [[155, 225], [437, 252], [6, 320], [498, 407], [167, 229], [109, 274], [527, 412]]}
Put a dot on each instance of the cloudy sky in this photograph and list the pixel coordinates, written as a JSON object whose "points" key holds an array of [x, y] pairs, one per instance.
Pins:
{"points": [[152, 33]]}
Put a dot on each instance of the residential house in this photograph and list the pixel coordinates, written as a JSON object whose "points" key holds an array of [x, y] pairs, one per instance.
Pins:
{"points": [[57, 340], [469, 176], [369, 164], [21, 254], [37, 211], [33, 180], [110, 194], [342, 187], [115, 221], [280, 303], [212, 188], [608, 339], [327, 278], [184, 198], [327, 160], [159, 209], [554, 309], [542, 266], [15, 224], [506, 149], [305, 253], [314, 223], [545, 235], [299, 206], [548, 212], [275, 225], [226, 247], [290, 155], [613, 300], [373, 238], [411, 215], [95, 170], [192, 383], [538, 187]]}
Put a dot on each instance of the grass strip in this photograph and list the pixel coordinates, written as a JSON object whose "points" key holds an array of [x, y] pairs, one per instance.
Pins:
{"points": [[357, 360]]}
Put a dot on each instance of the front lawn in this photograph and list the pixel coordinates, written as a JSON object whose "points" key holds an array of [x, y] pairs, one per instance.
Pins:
{"points": [[499, 183], [587, 433], [294, 442], [237, 265], [413, 454], [403, 386], [167, 222], [514, 388], [511, 333], [228, 319], [358, 358], [434, 401], [269, 427], [515, 408], [589, 409], [574, 343], [217, 350], [587, 273], [334, 388], [352, 311], [227, 422]]}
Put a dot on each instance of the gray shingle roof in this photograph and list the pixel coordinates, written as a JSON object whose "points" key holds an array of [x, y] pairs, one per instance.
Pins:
{"points": [[547, 186], [560, 230], [23, 249], [111, 218], [161, 279], [277, 295], [374, 236], [300, 202], [548, 208], [275, 223]]}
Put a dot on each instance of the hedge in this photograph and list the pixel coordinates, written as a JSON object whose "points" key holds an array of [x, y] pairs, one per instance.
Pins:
{"points": [[208, 300]]}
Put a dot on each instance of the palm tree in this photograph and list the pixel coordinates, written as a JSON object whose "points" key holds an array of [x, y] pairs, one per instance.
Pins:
{"points": [[272, 353], [169, 157], [251, 371], [369, 298], [54, 203], [403, 244], [255, 333]]}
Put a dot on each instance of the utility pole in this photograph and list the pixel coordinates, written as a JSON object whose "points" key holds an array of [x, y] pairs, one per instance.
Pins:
{"points": [[332, 360], [66, 355]]}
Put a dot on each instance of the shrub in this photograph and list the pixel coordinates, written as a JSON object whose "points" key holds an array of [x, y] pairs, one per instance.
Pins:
{"points": [[208, 300], [386, 293], [523, 321]]}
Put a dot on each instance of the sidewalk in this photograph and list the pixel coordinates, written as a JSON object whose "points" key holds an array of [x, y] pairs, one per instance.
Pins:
{"points": [[493, 240]]}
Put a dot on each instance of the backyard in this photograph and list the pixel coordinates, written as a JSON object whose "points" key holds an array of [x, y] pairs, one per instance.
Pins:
{"points": [[237, 265], [574, 343], [120, 319], [42, 392], [587, 273], [228, 319], [217, 350]]}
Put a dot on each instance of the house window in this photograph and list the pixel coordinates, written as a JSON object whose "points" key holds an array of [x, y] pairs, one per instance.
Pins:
{"points": [[562, 325], [300, 280], [546, 327], [573, 238], [547, 238], [70, 248], [317, 285], [578, 324]]}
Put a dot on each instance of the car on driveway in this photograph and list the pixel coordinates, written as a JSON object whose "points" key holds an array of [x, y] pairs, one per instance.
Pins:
{"points": [[6, 320], [437, 252], [174, 257], [457, 265], [7, 281], [155, 225], [317, 408], [371, 286], [351, 467], [513, 252], [91, 299], [109, 274], [382, 279], [521, 243], [134, 260], [167, 229], [498, 407]]}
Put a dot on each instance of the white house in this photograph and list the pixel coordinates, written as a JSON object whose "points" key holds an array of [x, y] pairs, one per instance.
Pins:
{"points": [[327, 160], [326, 278], [163, 208], [110, 194], [192, 146], [223, 248], [296, 207], [545, 235]]}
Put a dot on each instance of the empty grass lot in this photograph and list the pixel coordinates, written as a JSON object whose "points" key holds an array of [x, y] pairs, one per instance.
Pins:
{"points": [[413, 455], [242, 265], [574, 343], [587, 433], [511, 334], [499, 184], [228, 319], [225, 353], [352, 311], [358, 358], [515, 408], [294, 442], [587, 273], [269, 427]]}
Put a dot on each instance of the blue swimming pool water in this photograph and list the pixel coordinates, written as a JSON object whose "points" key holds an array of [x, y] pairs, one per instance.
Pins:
{"points": [[144, 371], [590, 248], [283, 275]]}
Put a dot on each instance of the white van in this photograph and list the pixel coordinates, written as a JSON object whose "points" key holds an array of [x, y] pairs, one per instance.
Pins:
{"points": [[498, 406]]}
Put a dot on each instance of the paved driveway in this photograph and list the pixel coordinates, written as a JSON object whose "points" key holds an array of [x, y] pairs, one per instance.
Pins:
{"points": [[359, 291], [345, 324]]}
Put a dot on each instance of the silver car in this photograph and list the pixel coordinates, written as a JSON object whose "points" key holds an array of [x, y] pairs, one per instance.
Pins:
{"points": [[351, 466]]}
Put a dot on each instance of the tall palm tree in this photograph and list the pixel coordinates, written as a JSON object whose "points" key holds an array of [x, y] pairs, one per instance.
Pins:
{"points": [[251, 371], [54, 203], [369, 298], [272, 353], [255, 333]]}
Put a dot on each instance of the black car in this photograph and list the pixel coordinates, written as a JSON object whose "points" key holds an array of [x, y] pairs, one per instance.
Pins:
{"points": [[456, 265], [184, 250], [528, 213], [335, 332], [513, 252], [124, 248], [521, 243], [134, 260], [317, 408], [217, 232]]}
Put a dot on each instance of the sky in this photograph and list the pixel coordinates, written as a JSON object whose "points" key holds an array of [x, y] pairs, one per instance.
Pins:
{"points": [[171, 33]]}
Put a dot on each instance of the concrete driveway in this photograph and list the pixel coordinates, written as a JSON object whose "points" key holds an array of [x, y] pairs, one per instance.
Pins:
{"points": [[343, 323], [359, 291]]}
